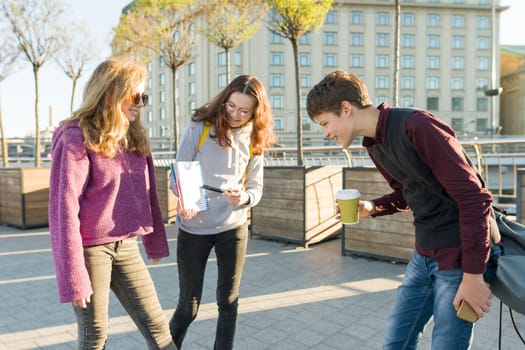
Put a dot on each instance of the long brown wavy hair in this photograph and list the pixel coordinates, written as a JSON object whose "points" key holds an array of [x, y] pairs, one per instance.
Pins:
{"points": [[105, 127], [213, 112]]}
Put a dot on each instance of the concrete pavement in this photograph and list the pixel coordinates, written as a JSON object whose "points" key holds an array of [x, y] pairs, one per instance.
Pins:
{"points": [[291, 299]]}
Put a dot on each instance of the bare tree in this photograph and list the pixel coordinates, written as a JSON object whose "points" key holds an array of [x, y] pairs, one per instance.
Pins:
{"points": [[230, 22], [291, 19], [163, 28], [77, 52], [8, 56], [36, 27], [396, 51]]}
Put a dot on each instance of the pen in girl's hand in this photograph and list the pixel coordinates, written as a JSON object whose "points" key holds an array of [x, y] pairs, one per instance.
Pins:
{"points": [[211, 188]]}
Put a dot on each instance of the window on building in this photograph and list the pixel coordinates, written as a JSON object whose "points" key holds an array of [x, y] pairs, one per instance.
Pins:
{"points": [[432, 62], [191, 88], [380, 99], [357, 39], [482, 84], [482, 124], [382, 39], [221, 59], [406, 101], [162, 63], [277, 101], [408, 19], [381, 82], [330, 59], [150, 83], [305, 59], [277, 80], [278, 123], [433, 20], [192, 106], [303, 102], [457, 124], [356, 60], [433, 41], [483, 42], [482, 63], [191, 69], [162, 78], [407, 82], [237, 58], [331, 17], [457, 104], [458, 62], [149, 66], [382, 61], [382, 18], [162, 96], [408, 40], [222, 80], [432, 83], [483, 22], [149, 116], [433, 103], [357, 17], [306, 80], [482, 104], [162, 113], [457, 83], [458, 21], [150, 132], [458, 41], [276, 58], [276, 38], [408, 62], [305, 39], [330, 38]]}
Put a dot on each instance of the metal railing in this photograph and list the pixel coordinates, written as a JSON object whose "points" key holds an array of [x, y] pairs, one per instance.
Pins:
{"points": [[497, 159]]}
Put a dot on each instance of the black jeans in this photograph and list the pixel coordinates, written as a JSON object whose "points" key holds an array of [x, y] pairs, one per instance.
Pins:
{"points": [[192, 256]]}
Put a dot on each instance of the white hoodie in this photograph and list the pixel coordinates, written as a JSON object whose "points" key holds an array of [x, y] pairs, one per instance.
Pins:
{"points": [[222, 167]]}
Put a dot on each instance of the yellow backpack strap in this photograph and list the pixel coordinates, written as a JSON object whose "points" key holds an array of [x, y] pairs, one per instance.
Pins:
{"points": [[205, 132]]}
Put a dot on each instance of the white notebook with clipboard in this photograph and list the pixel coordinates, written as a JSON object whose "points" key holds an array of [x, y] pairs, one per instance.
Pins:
{"points": [[188, 177]]}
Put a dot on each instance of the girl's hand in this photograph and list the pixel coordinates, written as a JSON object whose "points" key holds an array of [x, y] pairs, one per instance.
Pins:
{"points": [[82, 302], [187, 214], [237, 196]]}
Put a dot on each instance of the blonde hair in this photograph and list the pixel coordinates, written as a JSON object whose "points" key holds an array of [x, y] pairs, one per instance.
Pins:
{"points": [[105, 127]]}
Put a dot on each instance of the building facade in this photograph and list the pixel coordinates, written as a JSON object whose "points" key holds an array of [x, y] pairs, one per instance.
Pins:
{"points": [[513, 90], [446, 65]]}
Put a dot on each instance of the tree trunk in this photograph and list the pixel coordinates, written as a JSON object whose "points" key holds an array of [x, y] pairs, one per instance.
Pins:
{"points": [[37, 124], [397, 36], [72, 97], [298, 101], [228, 69], [175, 117], [5, 149]]}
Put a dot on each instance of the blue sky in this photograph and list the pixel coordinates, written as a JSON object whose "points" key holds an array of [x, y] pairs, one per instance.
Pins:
{"points": [[17, 91]]}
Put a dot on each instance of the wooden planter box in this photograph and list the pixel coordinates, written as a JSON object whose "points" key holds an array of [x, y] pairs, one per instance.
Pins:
{"points": [[520, 195], [388, 237], [24, 196], [167, 200], [298, 204]]}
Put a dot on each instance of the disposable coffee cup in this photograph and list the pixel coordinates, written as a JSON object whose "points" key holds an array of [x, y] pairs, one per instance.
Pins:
{"points": [[348, 201]]}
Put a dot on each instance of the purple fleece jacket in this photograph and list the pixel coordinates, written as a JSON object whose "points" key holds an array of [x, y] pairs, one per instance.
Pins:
{"points": [[96, 200]]}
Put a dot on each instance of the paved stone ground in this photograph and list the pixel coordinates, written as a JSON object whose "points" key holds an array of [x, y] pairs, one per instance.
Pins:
{"points": [[291, 299]]}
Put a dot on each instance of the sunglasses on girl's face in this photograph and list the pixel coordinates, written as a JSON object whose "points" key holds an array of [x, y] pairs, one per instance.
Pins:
{"points": [[138, 97]]}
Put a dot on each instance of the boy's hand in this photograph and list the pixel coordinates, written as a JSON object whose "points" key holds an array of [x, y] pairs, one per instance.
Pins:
{"points": [[475, 292]]}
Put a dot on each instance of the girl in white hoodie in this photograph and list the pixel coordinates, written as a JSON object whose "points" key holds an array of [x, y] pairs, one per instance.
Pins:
{"points": [[228, 136]]}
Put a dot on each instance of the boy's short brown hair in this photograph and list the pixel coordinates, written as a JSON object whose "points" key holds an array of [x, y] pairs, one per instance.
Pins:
{"points": [[336, 87]]}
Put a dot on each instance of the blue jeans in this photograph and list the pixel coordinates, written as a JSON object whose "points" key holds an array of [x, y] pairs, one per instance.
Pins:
{"points": [[427, 292], [192, 256], [119, 266]]}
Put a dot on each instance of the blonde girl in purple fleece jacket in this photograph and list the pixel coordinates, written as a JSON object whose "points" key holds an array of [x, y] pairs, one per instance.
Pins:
{"points": [[102, 197]]}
